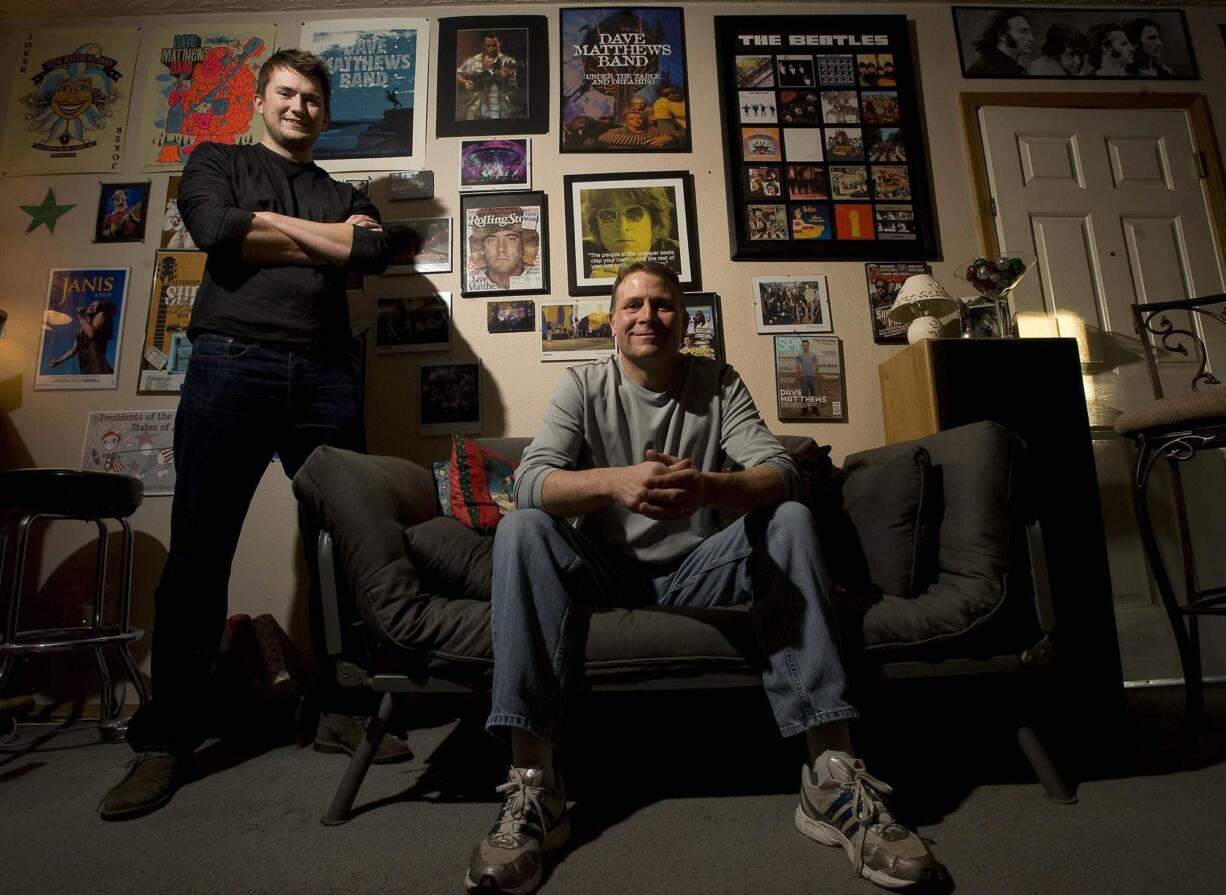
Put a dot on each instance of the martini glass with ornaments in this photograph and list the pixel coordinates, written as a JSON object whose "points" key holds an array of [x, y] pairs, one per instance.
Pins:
{"points": [[994, 278]]}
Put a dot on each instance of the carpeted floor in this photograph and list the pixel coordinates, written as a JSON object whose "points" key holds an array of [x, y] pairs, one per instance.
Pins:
{"points": [[670, 795]]}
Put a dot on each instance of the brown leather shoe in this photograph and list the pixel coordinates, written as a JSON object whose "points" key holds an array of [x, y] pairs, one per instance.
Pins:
{"points": [[152, 780], [341, 734]]}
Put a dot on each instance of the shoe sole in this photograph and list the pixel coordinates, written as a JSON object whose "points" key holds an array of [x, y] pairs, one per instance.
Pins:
{"points": [[554, 840], [826, 834], [338, 749]]}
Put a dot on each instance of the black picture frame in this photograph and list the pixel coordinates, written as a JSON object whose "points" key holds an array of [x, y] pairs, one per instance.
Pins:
{"points": [[526, 39], [620, 59], [488, 214], [704, 328], [671, 237], [845, 154], [122, 224], [1059, 28]]}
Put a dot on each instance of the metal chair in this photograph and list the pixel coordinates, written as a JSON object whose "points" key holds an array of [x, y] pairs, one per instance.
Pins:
{"points": [[31, 495], [1174, 429]]}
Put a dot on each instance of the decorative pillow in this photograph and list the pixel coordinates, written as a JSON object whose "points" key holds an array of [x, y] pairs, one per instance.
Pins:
{"points": [[887, 506], [452, 560], [442, 484], [481, 484]]}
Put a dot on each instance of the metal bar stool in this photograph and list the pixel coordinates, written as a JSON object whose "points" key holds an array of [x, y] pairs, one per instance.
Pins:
{"points": [[49, 494]]}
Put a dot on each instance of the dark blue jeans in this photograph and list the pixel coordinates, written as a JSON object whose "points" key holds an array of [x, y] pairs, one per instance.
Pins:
{"points": [[241, 403]]}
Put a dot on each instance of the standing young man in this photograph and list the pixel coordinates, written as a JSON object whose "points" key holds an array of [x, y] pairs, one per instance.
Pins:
{"points": [[270, 374], [634, 445]]}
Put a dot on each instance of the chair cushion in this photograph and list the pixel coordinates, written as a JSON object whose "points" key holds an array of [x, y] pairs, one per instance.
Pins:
{"points": [[451, 558], [1193, 408]]}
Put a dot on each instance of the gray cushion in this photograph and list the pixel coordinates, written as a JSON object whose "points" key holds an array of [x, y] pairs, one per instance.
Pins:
{"points": [[452, 559]]}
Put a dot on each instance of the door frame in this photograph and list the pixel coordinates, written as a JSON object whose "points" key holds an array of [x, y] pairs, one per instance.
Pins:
{"points": [[1195, 105]]}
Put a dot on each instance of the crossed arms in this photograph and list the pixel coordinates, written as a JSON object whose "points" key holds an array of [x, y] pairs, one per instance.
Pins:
{"points": [[279, 239]]}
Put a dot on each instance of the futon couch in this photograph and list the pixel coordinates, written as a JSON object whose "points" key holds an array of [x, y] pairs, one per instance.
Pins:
{"points": [[929, 543]]}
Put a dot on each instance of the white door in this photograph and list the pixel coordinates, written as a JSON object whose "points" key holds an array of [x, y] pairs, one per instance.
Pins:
{"points": [[1111, 202]]}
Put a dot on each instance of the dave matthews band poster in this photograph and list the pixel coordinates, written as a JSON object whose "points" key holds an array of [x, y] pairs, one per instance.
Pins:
{"points": [[379, 87], [200, 88], [624, 86], [824, 154], [68, 109]]}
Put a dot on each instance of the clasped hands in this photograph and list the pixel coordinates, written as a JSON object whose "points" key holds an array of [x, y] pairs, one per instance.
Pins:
{"points": [[661, 487]]}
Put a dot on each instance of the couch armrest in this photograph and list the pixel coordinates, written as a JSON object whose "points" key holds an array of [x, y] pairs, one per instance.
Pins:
{"points": [[366, 503]]}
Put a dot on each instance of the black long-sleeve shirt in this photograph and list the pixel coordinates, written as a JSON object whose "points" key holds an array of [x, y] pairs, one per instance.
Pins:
{"points": [[284, 303]]}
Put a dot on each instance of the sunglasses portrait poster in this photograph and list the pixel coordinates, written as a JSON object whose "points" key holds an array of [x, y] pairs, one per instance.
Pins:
{"points": [[613, 219]]}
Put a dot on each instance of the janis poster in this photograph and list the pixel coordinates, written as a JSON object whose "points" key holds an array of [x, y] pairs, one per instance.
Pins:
{"points": [[379, 87], [166, 350], [201, 88], [624, 86], [68, 109], [139, 443], [82, 328]]}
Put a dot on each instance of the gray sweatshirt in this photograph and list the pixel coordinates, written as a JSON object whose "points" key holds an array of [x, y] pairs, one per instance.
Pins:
{"points": [[598, 418]]}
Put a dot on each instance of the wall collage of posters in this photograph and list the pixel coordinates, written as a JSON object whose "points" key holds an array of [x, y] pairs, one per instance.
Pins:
{"points": [[823, 152]]}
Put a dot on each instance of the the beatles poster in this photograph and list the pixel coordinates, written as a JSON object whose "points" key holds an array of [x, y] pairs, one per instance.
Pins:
{"points": [[822, 138], [139, 443], [200, 88], [493, 76], [809, 378], [68, 108], [1058, 42], [82, 328], [624, 84], [379, 89], [166, 351]]}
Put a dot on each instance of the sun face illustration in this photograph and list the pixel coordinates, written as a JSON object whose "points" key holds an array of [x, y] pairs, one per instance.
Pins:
{"points": [[71, 101]]}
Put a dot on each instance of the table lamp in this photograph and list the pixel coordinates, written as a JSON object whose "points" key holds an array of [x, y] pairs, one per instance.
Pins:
{"points": [[922, 301]]}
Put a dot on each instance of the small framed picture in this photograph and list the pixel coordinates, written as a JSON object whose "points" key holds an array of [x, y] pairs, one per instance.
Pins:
{"points": [[174, 231], [504, 247], [809, 380], [884, 281], [122, 210], [493, 76], [449, 397], [792, 303], [413, 323], [704, 330], [576, 330], [410, 185], [510, 316], [490, 165], [419, 245], [612, 219]]}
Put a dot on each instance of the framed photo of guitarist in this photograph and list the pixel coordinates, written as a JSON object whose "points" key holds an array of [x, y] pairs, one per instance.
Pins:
{"points": [[493, 76]]}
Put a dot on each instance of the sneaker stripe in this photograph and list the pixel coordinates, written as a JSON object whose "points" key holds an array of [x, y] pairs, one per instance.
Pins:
{"points": [[837, 804]]}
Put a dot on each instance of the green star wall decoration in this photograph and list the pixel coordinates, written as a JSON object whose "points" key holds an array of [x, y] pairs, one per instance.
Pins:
{"points": [[46, 213]]}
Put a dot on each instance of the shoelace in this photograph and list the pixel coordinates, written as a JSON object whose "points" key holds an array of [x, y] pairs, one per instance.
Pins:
{"points": [[867, 804], [519, 797]]}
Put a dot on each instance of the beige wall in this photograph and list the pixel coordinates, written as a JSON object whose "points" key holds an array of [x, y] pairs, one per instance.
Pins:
{"points": [[46, 428]]}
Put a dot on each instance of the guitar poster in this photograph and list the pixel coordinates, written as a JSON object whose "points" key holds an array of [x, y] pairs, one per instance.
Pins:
{"points": [[201, 88], [166, 351]]}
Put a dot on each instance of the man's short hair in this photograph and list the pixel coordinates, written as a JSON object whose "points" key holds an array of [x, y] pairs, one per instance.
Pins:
{"points": [[306, 64], [997, 26], [1097, 37], [1134, 28], [529, 239], [666, 274], [1063, 38]]}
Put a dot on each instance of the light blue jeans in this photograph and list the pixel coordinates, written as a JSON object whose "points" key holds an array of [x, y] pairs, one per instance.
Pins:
{"points": [[545, 573]]}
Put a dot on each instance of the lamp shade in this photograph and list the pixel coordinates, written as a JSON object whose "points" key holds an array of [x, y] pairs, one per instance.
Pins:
{"points": [[921, 296]]}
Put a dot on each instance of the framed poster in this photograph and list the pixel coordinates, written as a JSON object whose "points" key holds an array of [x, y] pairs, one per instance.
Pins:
{"points": [[449, 397], [174, 231], [68, 105], [576, 330], [200, 88], [166, 351], [704, 330], [379, 87], [1059, 42], [612, 219], [413, 323], [139, 443], [123, 209], [504, 248], [624, 84], [419, 245], [823, 155], [510, 316], [490, 165], [493, 76], [809, 380], [884, 281], [797, 303], [82, 328]]}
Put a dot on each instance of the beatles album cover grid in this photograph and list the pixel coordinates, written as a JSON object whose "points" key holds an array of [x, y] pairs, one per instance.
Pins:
{"points": [[822, 132]]}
